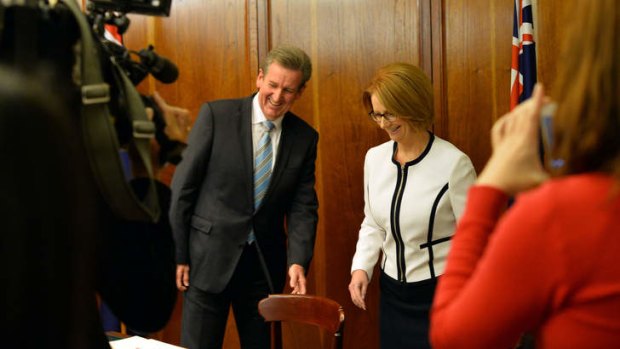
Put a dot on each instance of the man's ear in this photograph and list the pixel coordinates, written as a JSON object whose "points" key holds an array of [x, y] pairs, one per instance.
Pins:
{"points": [[301, 91], [259, 78]]}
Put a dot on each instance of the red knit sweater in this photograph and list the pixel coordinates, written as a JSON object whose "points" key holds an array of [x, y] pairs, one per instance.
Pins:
{"points": [[550, 266]]}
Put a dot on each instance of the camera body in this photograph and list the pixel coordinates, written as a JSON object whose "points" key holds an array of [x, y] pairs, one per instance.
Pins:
{"points": [[125, 251], [59, 43], [147, 62], [147, 7]]}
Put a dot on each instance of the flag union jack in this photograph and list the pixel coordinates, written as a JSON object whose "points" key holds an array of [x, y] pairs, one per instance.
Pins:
{"points": [[523, 68]]}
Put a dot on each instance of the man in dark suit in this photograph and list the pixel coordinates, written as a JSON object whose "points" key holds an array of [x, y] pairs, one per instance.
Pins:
{"points": [[232, 247]]}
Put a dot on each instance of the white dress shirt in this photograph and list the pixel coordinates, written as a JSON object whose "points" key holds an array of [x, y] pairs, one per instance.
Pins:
{"points": [[257, 129]]}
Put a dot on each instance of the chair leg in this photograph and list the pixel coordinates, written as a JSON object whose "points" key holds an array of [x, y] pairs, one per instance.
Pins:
{"points": [[276, 335]]}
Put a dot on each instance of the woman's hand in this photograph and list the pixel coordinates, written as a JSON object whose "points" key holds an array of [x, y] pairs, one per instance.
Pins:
{"points": [[358, 287], [515, 164]]}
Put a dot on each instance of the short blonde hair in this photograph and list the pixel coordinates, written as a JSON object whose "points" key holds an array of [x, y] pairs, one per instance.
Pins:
{"points": [[405, 91]]}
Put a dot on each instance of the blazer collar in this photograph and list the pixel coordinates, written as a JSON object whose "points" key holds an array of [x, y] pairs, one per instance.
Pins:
{"points": [[284, 149], [245, 132]]}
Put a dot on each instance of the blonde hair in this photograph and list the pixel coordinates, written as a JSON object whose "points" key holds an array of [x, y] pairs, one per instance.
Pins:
{"points": [[587, 124], [405, 91]]}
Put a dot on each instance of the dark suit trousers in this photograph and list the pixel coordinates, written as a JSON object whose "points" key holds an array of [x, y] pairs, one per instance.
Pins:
{"points": [[205, 314]]}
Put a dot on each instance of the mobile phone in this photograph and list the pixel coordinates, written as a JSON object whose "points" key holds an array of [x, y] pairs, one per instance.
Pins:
{"points": [[547, 113], [546, 125]]}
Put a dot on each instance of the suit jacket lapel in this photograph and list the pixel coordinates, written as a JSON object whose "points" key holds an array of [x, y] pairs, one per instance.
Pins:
{"points": [[247, 156], [284, 151]]}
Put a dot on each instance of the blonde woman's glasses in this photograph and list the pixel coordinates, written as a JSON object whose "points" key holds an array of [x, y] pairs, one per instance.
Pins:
{"points": [[378, 116]]}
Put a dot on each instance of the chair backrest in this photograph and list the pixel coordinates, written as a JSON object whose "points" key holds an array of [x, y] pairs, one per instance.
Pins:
{"points": [[307, 309]]}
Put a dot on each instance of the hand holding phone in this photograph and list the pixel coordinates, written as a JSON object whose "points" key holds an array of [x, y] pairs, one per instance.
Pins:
{"points": [[547, 113]]}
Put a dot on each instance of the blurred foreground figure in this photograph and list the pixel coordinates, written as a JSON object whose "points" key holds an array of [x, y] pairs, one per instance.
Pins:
{"points": [[549, 265], [60, 246]]}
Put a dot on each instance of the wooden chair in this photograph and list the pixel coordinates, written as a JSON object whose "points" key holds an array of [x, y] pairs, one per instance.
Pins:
{"points": [[314, 310]]}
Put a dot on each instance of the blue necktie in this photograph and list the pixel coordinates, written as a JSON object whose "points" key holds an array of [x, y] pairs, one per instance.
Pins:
{"points": [[263, 158]]}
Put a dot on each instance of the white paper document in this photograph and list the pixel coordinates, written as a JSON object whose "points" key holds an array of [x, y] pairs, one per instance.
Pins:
{"points": [[137, 342]]}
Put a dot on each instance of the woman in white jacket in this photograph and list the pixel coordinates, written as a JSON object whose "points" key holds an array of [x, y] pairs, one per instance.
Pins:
{"points": [[414, 189]]}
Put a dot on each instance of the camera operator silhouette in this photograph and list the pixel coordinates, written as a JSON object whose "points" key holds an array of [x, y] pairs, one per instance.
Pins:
{"points": [[59, 247]]}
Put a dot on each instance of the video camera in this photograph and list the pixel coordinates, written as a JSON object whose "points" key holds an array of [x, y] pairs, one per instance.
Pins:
{"points": [[96, 78], [146, 62], [147, 7]]}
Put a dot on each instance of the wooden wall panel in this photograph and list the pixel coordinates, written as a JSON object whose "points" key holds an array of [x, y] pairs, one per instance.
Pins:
{"points": [[477, 36], [208, 41], [477, 49], [549, 38], [210, 44]]}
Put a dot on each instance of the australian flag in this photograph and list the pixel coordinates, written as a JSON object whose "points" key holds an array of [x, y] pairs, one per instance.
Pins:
{"points": [[523, 68]]}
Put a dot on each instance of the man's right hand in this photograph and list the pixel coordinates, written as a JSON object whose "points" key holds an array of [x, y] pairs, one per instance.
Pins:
{"points": [[182, 277]]}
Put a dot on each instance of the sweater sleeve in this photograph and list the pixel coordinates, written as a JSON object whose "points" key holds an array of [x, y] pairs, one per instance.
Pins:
{"points": [[495, 287]]}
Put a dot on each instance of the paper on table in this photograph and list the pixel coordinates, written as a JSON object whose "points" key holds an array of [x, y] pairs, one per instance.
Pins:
{"points": [[137, 342]]}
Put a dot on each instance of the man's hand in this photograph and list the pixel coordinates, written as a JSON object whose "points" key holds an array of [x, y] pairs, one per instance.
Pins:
{"points": [[182, 277], [297, 277], [358, 287]]}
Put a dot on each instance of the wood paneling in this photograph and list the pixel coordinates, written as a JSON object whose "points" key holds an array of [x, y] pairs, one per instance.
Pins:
{"points": [[477, 50], [464, 45], [549, 38], [208, 40]]}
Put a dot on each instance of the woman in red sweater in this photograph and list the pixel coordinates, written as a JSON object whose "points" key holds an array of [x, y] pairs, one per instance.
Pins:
{"points": [[548, 265]]}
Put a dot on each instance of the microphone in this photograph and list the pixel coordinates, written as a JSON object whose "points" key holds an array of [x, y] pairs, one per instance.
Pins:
{"points": [[161, 68]]}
